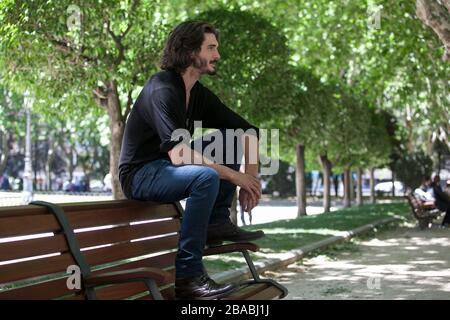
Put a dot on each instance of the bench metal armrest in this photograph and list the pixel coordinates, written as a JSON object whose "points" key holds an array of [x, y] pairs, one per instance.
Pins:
{"points": [[427, 206], [150, 276]]}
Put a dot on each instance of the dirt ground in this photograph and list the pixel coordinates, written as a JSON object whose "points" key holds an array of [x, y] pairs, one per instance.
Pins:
{"points": [[404, 263]]}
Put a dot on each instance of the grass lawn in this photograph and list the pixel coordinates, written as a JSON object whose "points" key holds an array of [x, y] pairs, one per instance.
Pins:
{"points": [[285, 235]]}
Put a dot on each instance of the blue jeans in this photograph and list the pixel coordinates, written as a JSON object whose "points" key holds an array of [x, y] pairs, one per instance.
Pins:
{"points": [[208, 201]]}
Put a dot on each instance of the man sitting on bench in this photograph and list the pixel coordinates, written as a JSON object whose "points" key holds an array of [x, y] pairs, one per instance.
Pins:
{"points": [[158, 167]]}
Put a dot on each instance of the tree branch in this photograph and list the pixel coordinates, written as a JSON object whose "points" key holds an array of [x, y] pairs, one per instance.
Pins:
{"points": [[100, 96], [63, 46], [118, 38], [130, 99], [437, 17]]}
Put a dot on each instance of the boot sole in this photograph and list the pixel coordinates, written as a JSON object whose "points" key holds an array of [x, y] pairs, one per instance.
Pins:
{"points": [[219, 242]]}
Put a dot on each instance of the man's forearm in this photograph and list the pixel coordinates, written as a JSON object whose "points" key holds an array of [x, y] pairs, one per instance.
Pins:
{"points": [[251, 154], [183, 154]]}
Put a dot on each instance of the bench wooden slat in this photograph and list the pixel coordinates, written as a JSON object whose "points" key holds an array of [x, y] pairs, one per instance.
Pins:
{"points": [[57, 288], [32, 247], [125, 290], [28, 220], [27, 210], [27, 225], [129, 250], [41, 291], [34, 268], [163, 261], [20, 211], [126, 233], [119, 215]]}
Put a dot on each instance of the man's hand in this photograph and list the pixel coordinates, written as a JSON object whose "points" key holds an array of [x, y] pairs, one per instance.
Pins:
{"points": [[247, 182], [246, 201]]}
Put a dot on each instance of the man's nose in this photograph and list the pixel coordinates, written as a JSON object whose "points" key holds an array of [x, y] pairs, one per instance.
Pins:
{"points": [[217, 56]]}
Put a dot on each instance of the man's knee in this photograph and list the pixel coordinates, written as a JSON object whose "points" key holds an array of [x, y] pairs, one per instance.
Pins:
{"points": [[208, 175]]}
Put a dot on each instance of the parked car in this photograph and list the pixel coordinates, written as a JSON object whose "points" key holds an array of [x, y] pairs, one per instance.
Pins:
{"points": [[386, 187], [96, 186]]}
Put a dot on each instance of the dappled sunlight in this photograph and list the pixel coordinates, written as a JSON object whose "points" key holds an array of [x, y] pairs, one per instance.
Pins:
{"points": [[321, 231], [430, 262], [377, 243], [411, 264], [225, 258]]}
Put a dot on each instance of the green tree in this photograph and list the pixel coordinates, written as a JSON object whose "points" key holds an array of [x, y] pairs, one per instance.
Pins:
{"points": [[82, 55], [412, 168], [11, 128]]}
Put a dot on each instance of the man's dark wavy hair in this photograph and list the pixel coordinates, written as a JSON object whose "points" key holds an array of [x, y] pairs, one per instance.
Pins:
{"points": [[185, 39]]}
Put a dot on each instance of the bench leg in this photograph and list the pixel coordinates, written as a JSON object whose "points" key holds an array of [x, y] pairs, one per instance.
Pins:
{"points": [[257, 279], [153, 288], [424, 223], [90, 293]]}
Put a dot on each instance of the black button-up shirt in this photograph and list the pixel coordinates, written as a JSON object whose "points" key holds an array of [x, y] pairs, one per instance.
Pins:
{"points": [[159, 110]]}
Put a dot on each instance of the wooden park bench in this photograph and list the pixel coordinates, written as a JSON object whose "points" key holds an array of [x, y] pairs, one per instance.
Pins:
{"points": [[424, 213], [124, 249]]}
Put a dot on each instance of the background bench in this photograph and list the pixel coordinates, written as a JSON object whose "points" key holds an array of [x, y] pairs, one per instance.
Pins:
{"points": [[128, 248], [424, 214]]}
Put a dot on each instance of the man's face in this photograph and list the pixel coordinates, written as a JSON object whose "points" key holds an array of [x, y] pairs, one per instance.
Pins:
{"points": [[205, 60]]}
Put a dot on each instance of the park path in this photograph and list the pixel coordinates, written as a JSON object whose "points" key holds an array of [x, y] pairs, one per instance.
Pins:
{"points": [[404, 263]]}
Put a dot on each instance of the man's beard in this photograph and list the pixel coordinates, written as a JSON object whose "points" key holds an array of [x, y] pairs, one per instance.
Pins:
{"points": [[202, 65]]}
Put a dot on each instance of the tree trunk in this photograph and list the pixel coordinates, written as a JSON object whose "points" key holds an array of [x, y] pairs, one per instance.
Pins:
{"points": [[35, 185], [436, 16], [50, 158], [352, 188], [68, 152], [347, 177], [326, 169], [300, 181], [393, 182], [372, 186], [72, 163], [87, 180], [359, 195], [5, 151], [116, 125]]}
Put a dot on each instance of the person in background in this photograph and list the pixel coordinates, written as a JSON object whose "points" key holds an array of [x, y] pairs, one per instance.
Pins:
{"points": [[442, 200], [447, 188], [425, 193]]}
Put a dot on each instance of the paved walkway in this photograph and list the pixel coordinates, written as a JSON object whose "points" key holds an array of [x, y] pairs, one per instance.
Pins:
{"points": [[402, 264]]}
